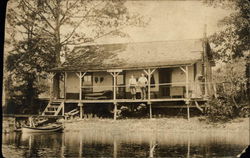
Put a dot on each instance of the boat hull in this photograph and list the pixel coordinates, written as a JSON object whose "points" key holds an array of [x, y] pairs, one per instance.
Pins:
{"points": [[42, 129]]}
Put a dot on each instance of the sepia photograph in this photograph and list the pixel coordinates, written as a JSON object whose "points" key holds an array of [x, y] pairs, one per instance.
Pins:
{"points": [[126, 78]]}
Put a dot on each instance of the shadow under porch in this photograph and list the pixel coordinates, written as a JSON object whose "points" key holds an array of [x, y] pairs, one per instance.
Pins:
{"points": [[158, 109]]}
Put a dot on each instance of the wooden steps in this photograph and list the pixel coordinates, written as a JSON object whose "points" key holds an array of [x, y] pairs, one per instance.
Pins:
{"points": [[53, 108], [72, 113]]}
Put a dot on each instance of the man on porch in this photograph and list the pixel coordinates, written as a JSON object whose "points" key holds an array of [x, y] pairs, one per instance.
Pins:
{"points": [[142, 82]]}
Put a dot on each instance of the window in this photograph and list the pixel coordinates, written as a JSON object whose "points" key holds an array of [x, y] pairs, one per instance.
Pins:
{"points": [[120, 79], [152, 81], [87, 83], [87, 80]]}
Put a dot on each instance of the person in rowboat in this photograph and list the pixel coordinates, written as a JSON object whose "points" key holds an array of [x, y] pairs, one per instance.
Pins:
{"points": [[31, 122]]}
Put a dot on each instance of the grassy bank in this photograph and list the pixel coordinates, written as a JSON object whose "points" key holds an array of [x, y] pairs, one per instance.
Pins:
{"points": [[159, 124]]}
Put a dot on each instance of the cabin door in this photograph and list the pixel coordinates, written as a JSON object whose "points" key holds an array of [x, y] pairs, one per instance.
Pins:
{"points": [[165, 78], [121, 86]]}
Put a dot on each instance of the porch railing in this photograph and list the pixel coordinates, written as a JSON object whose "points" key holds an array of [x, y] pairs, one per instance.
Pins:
{"points": [[157, 91]]}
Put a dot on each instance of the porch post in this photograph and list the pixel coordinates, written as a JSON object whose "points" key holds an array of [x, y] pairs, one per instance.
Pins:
{"points": [[114, 74], [65, 88], [63, 109], [115, 110], [205, 60], [150, 110], [187, 93], [149, 96], [80, 76], [206, 83], [114, 95], [80, 90], [149, 81], [188, 114], [81, 109], [149, 73], [81, 112], [187, 101], [114, 84]]}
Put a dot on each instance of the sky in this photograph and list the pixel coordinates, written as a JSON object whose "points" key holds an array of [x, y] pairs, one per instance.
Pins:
{"points": [[169, 20], [172, 20]]}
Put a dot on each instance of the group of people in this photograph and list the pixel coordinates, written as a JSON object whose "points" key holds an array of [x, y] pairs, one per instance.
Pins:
{"points": [[142, 84]]}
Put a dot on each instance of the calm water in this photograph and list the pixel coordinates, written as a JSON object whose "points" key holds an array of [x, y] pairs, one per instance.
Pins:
{"points": [[117, 144]]}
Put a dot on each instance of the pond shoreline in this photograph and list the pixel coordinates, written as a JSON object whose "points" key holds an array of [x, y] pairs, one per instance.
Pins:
{"points": [[157, 125]]}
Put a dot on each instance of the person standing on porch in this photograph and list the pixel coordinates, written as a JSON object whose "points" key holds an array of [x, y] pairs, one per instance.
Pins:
{"points": [[132, 86], [198, 86], [142, 82]]}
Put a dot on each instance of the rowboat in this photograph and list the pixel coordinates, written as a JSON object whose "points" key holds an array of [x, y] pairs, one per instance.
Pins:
{"points": [[44, 129]]}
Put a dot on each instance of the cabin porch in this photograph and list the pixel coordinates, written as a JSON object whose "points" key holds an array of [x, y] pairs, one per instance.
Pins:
{"points": [[111, 86]]}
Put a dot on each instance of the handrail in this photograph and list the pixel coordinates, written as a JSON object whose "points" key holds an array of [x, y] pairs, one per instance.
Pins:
{"points": [[157, 84], [59, 108]]}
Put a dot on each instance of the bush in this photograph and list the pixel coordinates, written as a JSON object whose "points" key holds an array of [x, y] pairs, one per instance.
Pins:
{"points": [[223, 109], [231, 100], [130, 111]]}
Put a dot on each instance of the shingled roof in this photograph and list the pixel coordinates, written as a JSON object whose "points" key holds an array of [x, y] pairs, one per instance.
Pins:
{"points": [[135, 55]]}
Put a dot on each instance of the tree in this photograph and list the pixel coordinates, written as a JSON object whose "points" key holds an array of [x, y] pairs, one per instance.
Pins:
{"points": [[47, 29], [233, 41], [231, 47], [60, 21], [26, 62]]}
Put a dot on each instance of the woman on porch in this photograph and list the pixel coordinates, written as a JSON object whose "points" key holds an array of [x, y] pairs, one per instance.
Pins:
{"points": [[197, 88], [132, 86]]}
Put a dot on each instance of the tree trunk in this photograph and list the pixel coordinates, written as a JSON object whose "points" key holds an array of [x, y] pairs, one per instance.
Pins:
{"points": [[30, 95], [56, 82], [248, 77]]}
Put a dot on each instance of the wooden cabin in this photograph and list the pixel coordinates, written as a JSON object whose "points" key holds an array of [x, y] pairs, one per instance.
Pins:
{"points": [[177, 71]]}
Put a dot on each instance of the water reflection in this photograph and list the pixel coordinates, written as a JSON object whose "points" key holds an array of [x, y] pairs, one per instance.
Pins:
{"points": [[124, 144]]}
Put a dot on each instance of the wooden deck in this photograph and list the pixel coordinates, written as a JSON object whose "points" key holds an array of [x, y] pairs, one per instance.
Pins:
{"points": [[131, 100]]}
